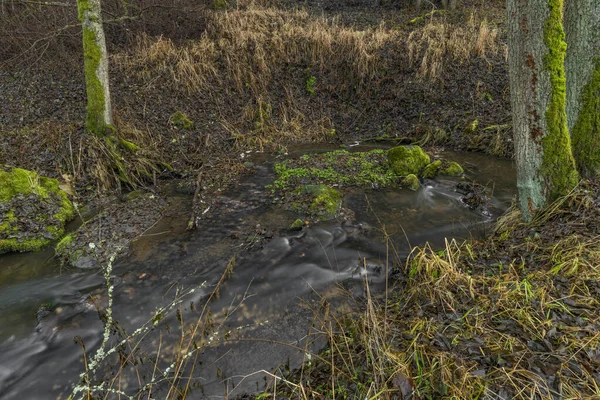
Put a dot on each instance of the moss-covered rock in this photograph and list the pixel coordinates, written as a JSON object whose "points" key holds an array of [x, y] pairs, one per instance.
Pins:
{"points": [[432, 169], [453, 169], [317, 201], [412, 182], [406, 160], [297, 224], [33, 210], [111, 231]]}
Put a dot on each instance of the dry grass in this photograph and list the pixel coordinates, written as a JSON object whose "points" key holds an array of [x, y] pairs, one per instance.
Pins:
{"points": [[243, 47], [438, 41], [469, 323]]}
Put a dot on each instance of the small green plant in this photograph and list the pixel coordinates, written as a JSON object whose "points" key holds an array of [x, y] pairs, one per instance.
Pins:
{"points": [[311, 82], [181, 121], [220, 4]]}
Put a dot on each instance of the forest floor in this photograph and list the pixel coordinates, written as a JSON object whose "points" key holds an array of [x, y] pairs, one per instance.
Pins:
{"points": [[512, 316]]}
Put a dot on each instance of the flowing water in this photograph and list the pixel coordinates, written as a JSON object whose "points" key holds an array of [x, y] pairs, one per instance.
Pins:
{"points": [[265, 304]]}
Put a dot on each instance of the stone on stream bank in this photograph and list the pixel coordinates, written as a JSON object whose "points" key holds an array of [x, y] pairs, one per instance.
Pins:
{"points": [[306, 184], [111, 231], [33, 210]]}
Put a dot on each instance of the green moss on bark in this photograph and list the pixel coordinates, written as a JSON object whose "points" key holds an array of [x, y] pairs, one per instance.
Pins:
{"points": [[95, 92], [558, 165], [586, 132]]}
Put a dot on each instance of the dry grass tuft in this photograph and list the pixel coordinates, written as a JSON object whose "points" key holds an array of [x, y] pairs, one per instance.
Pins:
{"points": [[430, 46]]}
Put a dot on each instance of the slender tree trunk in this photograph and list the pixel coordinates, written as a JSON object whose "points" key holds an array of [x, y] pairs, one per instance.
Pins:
{"points": [[545, 165], [99, 115], [582, 28]]}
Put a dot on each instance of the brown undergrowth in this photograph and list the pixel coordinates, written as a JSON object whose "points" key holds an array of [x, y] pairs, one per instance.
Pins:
{"points": [[513, 316]]}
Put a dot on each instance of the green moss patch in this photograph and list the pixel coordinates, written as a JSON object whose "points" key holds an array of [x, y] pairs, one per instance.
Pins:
{"points": [[412, 182], [182, 121], [432, 169], [317, 201], [453, 169], [340, 167], [33, 210], [406, 160], [442, 167]]}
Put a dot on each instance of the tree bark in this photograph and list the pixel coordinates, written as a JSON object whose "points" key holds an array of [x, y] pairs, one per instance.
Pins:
{"points": [[545, 165], [582, 64], [95, 59]]}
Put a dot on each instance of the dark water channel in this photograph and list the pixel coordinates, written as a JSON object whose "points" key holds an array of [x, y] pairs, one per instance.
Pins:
{"points": [[267, 300]]}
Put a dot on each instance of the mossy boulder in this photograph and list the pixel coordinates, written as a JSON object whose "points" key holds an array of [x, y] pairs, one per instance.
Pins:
{"points": [[33, 210], [432, 169], [440, 167], [406, 160], [297, 225], [453, 169], [317, 201], [412, 182]]}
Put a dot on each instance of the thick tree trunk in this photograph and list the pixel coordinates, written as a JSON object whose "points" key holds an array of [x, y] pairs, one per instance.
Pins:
{"points": [[545, 166], [582, 28], [99, 116]]}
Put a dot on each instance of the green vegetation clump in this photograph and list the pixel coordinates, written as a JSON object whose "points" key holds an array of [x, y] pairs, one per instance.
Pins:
{"points": [[318, 201], [310, 85], [412, 182], [338, 167], [33, 210], [182, 121], [406, 160], [432, 169]]}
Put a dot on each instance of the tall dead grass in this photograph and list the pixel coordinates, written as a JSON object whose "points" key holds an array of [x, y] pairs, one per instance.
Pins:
{"points": [[244, 47], [431, 46]]}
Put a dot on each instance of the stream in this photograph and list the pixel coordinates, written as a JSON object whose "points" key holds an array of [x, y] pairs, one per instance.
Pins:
{"points": [[266, 304]]}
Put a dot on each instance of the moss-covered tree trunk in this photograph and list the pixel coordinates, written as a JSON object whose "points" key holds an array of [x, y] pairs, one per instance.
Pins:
{"points": [[545, 165], [582, 64], [98, 116]]}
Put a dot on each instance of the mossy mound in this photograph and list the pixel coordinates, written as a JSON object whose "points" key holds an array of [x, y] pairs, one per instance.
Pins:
{"points": [[317, 201], [406, 160], [453, 169], [412, 182], [442, 167], [33, 210], [432, 169], [340, 167]]}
